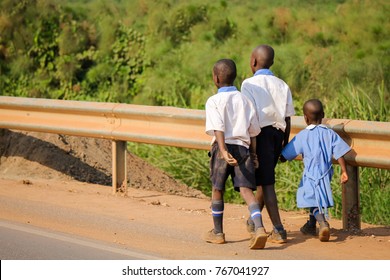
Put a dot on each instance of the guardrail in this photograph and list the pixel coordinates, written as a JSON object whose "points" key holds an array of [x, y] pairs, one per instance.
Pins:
{"points": [[370, 141]]}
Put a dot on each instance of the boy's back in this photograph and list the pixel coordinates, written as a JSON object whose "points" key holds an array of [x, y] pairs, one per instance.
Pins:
{"points": [[272, 98], [317, 144], [231, 112]]}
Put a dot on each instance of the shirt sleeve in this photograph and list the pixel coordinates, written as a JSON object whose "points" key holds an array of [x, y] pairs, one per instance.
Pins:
{"points": [[214, 120], [292, 149], [254, 128], [245, 90], [339, 146], [290, 111]]}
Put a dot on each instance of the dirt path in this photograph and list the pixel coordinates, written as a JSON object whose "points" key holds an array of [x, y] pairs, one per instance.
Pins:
{"points": [[171, 226], [62, 183]]}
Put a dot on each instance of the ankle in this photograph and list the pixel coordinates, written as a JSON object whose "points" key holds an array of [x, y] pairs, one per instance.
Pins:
{"points": [[278, 228]]}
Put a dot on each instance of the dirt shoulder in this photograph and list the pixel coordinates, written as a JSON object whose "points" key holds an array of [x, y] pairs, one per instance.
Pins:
{"points": [[171, 226], [63, 183]]}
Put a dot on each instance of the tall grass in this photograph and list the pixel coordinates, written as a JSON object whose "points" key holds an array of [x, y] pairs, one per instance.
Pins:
{"points": [[358, 104]]}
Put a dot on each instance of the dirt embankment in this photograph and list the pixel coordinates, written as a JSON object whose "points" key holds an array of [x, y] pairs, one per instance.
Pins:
{"points": [[31, 155]]}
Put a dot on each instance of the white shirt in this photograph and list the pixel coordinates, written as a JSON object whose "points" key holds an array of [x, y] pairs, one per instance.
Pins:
{"points": [[232, 113], [271, 97]]}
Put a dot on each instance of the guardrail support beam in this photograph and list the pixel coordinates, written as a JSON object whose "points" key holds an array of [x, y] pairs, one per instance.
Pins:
{"points": [[350, 200], [119, 168]]}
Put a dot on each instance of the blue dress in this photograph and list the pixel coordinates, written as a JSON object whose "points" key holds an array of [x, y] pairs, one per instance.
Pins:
{"points": [[317, 144]]}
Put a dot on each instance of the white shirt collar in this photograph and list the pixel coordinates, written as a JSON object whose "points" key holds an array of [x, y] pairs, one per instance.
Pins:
{"points": [[312, 126]]}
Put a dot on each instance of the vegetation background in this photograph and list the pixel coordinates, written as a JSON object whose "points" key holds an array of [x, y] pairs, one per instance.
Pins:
{"points": [[161, 53]]}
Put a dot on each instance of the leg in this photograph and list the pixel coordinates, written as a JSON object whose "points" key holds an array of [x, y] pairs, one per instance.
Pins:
{"points": [[244, 181], [271, 203], [324, 232], [254, 210], [216, 234], [218, 175], [271, 149], [279, 234], [217, 208], [260, 197], [312, 219], [310, 227], [250, 225], [268, 149], [259, 237]]}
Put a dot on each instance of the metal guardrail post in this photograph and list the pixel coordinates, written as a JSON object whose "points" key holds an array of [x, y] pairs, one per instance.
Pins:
{"points": [[350, 200], [119, 168]]}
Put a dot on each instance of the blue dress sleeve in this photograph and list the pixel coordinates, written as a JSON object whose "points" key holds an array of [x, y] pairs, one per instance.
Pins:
{"points": [[292, 149], [339, 146]]}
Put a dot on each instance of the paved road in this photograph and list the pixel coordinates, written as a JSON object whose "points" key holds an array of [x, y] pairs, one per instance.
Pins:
{"points": [[25, 242]]}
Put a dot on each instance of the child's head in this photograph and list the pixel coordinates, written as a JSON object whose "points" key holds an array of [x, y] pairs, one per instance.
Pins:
{"points": [[224, 72], [262, 57], [313, 111]]}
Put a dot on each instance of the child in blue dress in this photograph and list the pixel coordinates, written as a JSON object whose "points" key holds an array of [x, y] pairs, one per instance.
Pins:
{"points": [[317, 144]]}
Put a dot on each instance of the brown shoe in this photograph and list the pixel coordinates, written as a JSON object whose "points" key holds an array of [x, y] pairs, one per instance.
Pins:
{"points": [[309, 229], [279, 237], [324, 232], [259, 239], [215, 238]]}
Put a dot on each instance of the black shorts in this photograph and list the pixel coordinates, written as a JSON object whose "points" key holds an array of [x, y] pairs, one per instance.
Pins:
{"points": [[268, 148], [243, 175]]}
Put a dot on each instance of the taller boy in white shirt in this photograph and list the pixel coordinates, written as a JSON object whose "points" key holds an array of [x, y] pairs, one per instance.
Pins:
{"points": [[272, 99]]}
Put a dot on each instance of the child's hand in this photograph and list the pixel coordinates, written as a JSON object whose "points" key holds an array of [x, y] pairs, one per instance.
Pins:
{"points": [[344, 177], [229, 158], [255, 160]]}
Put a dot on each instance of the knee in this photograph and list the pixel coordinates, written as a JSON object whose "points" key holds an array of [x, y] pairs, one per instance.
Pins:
{"points": [[217, 194], [270, 195]]}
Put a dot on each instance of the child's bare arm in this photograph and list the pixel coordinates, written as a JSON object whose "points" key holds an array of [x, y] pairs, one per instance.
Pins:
{"points": [[253, 154], [287, 131], [220, 137], [344, 175]]}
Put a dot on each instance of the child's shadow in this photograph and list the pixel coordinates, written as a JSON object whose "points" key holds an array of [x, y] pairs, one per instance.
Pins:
{"points": [[293, 238], [343, 235], [336, 235]]}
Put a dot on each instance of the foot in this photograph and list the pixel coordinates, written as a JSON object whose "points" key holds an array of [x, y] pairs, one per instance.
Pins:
{"points": [[279, 237], [215, 238], [309, 229], [324, 232], [259, 239], [250, 226]]}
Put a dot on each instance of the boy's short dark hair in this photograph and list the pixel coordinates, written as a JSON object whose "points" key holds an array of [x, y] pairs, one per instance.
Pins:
{"points": [[313, 109], [268, 54], [226, 70]]}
